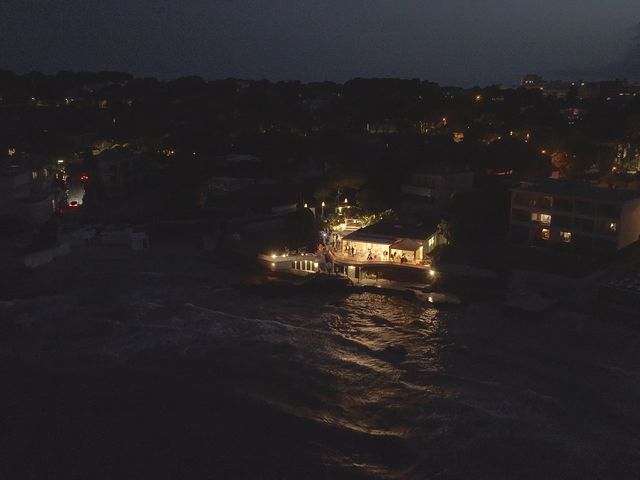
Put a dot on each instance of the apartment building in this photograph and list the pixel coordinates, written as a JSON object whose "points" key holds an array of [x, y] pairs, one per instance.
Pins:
{"points": [[579, 215]]}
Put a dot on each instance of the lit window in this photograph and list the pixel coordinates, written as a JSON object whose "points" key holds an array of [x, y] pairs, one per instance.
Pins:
{"points": [[542, 218], [565, 237], [545, 234], [613, 227]]}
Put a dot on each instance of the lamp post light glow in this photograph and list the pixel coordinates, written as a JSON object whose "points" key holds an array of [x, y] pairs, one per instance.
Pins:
{"points": [[323, 205]]}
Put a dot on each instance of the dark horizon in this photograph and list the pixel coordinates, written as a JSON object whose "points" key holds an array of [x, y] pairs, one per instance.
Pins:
{"points": [[457, 44]]}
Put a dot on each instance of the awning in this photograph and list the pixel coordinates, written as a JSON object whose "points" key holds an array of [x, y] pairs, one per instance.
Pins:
{"points": [[407, 244]]}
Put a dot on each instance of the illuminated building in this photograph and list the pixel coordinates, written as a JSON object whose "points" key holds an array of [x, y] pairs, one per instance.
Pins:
{"points": [[588, 218]]}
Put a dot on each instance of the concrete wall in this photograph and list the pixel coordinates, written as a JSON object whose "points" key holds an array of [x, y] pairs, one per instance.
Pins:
{"points": [[41, 211], [125, 237], [37, 259], [280, 263], [629, 230]]}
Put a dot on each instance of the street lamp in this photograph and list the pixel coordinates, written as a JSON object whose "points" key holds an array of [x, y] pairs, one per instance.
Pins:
{"points": [[323, 205]]}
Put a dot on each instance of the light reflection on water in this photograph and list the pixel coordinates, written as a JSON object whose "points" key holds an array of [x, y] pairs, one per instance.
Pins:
{"points": [[372, 386]]}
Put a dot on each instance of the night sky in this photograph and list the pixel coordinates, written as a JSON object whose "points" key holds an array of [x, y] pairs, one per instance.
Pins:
{"points": [[459, 42]]}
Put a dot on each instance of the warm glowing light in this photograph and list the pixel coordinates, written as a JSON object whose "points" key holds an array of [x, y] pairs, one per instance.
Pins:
{"points": [[346, 200], [432, 273], [430, 299], [543, 152], [323, 204], [60, 162], [273, 255], [273, 265], [478, 98], [306, 205]]}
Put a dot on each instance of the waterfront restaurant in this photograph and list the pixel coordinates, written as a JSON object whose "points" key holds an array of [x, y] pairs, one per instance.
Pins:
{"points": [[391, 241], [363, 245]]}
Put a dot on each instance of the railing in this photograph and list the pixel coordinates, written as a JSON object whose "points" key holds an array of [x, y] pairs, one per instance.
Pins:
{"points": [[363, 260]]}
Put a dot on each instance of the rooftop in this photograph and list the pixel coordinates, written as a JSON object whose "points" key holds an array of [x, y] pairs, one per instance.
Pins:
{"points": [[392, 230], [578, 189]]}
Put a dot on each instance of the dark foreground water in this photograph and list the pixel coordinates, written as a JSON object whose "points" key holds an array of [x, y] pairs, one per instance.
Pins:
{"points": [[155, 376]]}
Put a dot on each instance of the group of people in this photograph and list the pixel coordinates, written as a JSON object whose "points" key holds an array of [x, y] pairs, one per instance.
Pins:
{"points": [[403, 257], [393, 256]]}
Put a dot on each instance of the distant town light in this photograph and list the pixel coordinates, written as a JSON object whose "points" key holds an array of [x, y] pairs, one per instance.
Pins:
{"points": [[60, 162], [478, 98], [432, 272], [306, 205], [273, 255], [346, 200], [324, 204]]}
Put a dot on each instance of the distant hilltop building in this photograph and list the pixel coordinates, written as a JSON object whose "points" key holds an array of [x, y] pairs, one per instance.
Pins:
{"points": [[581, 89], [557, 89], [532, 82]]}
